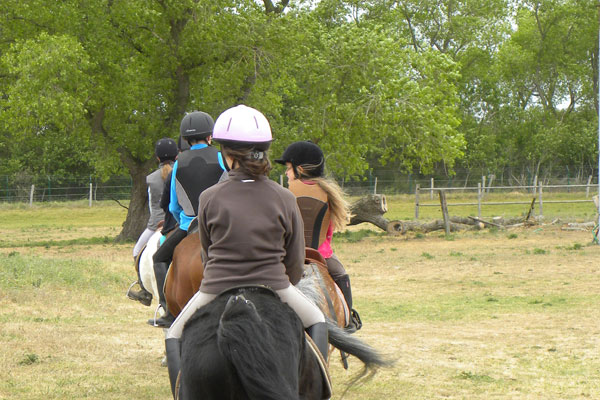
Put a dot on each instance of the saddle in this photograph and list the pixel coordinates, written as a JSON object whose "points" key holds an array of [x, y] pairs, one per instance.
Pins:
{"points": [[235, 290], [193, 228]]}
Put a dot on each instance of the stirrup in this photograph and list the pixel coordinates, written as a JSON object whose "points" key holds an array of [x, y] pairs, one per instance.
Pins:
{"points": [[355, 322], [143, 296]]}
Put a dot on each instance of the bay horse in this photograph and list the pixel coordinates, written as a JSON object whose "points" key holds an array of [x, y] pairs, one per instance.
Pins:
{"points": [[247, 344], [186, 273]]}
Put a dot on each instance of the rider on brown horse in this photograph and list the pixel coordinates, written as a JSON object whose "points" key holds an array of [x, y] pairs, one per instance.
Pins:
{"points": [[194, 171], [323, 210], [251, 230]]}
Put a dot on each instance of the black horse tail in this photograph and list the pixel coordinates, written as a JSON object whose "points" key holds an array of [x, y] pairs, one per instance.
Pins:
{"points": [[350, 344], [248, 346]]}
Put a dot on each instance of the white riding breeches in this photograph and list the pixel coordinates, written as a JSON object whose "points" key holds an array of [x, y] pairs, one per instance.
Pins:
{"points": [[308, 312], [141, 242]]}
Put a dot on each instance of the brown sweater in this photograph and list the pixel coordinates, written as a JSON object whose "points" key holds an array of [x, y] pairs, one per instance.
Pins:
{"points": [[253, 234]]}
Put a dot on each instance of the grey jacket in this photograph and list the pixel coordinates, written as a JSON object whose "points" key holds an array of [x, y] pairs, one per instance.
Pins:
{"points": [[253, 234], [156, 185]]}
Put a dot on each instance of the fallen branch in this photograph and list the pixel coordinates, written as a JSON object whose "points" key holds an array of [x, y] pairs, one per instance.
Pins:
{"points": [[119, 203]]}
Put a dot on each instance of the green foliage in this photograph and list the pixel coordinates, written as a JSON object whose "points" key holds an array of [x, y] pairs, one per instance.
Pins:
{"points": [[417, 86]]}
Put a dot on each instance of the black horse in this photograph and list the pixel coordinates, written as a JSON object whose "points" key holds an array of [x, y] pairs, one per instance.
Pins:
{"points": [[247, 344]]}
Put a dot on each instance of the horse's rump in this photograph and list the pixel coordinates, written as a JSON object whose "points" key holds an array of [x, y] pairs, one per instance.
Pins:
{"points": [[318, 285], [249, 344]]}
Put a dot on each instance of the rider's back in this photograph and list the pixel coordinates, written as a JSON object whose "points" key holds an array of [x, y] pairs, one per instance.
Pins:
{"points": [[250, 228]]}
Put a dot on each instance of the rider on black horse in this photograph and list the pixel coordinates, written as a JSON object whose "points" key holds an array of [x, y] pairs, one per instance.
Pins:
{"points": [[323, 208], [195, 170], [251, 230]]}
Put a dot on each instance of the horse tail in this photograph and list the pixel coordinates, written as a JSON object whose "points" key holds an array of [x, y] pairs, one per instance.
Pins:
{"points": [[245, 342], [347, 343]]}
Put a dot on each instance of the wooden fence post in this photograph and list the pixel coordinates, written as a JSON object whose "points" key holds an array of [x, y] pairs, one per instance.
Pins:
{"points": [[417, 201], [375, 186], [445, 211], [431, 191], [479, 199], [91, 193], [541, 213]]}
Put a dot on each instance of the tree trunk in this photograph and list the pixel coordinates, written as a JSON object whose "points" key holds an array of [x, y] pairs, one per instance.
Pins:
{"points": [[370, 209], [138, 212]]}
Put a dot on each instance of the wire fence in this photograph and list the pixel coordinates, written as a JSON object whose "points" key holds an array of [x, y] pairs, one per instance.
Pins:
{"points": [[24, 188], [32, 189]]}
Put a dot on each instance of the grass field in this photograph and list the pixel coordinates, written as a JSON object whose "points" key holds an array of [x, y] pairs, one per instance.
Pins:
{"points": [[475, 315]]}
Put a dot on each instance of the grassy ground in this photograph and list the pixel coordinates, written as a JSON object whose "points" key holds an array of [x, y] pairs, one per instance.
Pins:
{"points": [[477, 315]]}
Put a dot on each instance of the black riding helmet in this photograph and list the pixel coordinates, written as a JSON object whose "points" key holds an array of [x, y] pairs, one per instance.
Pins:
{"points": [[196, 125], [304, 153], [166, 149], [182, 144]]}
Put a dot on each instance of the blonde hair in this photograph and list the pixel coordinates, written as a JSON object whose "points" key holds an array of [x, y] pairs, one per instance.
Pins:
{"points": [[166, 169], [338, 206]]}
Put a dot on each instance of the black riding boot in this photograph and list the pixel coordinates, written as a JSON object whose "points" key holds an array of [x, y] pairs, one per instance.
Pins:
{"points": [[142, 295], [343, 283], [173, 350], [318, 333], [160, 271]]}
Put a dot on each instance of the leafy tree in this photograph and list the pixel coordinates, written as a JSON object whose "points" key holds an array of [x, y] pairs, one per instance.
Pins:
{"points": [[114, 76]]}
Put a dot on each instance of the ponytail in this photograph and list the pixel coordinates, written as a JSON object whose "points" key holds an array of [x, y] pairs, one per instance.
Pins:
{"points": [[166, 169]]}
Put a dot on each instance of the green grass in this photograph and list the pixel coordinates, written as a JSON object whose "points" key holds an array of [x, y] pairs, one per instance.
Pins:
{"points": [[58, 243], [61, 215], [26, 273], [476, 307], [402, 207]]}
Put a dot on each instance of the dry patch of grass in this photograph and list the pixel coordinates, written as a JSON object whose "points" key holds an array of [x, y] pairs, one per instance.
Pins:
{"points": [[478, 315]]}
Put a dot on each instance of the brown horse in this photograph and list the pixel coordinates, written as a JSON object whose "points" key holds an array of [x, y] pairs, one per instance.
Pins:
{"points": [[186, 273]]}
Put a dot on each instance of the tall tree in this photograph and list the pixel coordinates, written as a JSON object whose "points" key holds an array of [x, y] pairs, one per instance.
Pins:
{"points": [[119, 75]]}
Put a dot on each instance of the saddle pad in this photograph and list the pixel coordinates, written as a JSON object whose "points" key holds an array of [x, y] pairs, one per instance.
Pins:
{"points": [[327, 389]]}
